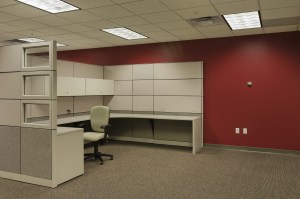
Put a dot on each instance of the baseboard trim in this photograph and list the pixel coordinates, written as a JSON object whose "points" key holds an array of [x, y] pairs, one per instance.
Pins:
{"points": [[252, 149]]}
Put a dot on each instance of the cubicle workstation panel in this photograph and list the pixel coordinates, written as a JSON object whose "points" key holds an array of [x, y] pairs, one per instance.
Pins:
{"points": [[158, 89]]}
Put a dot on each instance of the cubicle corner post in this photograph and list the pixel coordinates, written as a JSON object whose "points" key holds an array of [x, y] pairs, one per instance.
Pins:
{"points": [[39, 114]]}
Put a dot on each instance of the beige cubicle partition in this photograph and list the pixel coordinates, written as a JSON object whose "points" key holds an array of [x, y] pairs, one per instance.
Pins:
{"points": [[28, 119], [157, 89]]}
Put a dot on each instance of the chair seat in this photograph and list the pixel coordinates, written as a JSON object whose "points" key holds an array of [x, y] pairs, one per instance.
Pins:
{"points": [[92, 136]]}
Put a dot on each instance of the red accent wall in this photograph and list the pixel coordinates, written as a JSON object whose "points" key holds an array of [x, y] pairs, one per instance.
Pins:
{"points": [[270, 109]]}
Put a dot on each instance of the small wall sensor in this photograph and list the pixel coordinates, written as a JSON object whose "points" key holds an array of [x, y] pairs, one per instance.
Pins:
{"points": [[249, 84]]}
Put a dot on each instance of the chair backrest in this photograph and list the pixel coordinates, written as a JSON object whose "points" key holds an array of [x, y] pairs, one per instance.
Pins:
{"points": [[99, 116]]}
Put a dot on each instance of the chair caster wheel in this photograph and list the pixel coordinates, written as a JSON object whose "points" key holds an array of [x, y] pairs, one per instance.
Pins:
{"points": [[101, 163], [111, 158]]}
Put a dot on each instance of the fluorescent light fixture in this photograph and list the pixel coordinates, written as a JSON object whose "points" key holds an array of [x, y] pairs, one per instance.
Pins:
{"points": [[124, 33], [34, 40], [243, 20], [31, 40], [52, 6]]}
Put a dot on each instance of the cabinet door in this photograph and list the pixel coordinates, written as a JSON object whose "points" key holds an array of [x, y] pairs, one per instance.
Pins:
{"points": [[70, 86], [99, 87]]}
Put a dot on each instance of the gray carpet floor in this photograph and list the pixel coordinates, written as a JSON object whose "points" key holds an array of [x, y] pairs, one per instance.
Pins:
{"points": [[141, 171]]}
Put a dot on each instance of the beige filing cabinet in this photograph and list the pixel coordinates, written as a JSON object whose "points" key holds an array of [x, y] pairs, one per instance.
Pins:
{"points": [[70, 153]]}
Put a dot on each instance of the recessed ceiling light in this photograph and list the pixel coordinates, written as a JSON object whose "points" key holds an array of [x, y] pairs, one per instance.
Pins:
{"points": [[124, 33], [31, 40], [52, 6], [34, 40], [243, 20]]}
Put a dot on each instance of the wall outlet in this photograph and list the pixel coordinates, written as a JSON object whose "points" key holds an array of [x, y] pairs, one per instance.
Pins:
{"points": [[245, 131], [237, 130]]}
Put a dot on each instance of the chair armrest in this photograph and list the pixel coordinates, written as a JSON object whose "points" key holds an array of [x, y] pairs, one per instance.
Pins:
{"points": [[105, 126]]}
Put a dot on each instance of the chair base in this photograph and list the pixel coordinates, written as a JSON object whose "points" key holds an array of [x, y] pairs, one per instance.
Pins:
{"points": [[97, 155]]}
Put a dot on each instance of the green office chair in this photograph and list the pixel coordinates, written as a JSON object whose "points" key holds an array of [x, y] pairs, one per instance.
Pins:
{"points": [[100, 125]]}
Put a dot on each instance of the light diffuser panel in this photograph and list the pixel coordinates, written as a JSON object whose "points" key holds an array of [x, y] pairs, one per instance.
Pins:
{"points": [[124, 33], [52, 6], [243, 20]]}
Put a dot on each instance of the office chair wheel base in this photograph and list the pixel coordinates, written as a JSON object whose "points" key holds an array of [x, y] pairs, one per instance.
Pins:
{"points": [[111, 158]]}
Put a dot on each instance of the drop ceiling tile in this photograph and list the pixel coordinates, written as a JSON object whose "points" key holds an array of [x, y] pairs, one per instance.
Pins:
{"points": [[95, 34], [109, 12], [252, 31], [161, 17], [76, 28], [122, 1], [100, 24], [218, 34], [27, 23], [145, 28], [11, 28], [185, 31], [30, 33], [88, 41], [158, 34], [191, 36], [145, 6], [280, 13], [191, 13], [116, 40], [79, 16], [130, 21], [8, 17], [273, 4], [281, 29], [8, 36], [237, 7], [167, 39], [143, 41], [53, 20], [86, 4], [52, 31], [173, 25], [217, 28], [180, 4], [223, 1], [23, 10], [70, 36], [7, 2]]}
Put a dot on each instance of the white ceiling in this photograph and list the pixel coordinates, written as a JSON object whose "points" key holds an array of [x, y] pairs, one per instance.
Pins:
{"points": [[159, 20]]}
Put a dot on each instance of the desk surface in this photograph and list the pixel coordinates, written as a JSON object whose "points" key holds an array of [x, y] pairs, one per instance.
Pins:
{"points": [[126, 115]]}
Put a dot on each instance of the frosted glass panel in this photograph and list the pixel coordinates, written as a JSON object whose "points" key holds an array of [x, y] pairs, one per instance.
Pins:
{"points": [[36, 85], [37, 57]]}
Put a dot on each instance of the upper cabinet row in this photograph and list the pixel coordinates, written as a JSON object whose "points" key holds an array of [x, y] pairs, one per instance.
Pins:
{"points": [[76, 86]]}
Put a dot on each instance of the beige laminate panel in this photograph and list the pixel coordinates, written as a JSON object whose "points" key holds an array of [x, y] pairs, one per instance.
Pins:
{"points": [[65, 68], [142, 71], [38, 110], [10, 58], [64, 104], [37, 61], [120, 103], [85, 103], [36, 152], [182, 70], [123, 87], [70, 86], [10, 85], [88, 71], [119, 72], [178, 87], [99, 86], [180, 104], [173, 130], [10, 112], [143, 87], [10, 149], [37, 85], [142, 103], [142, 128]]}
